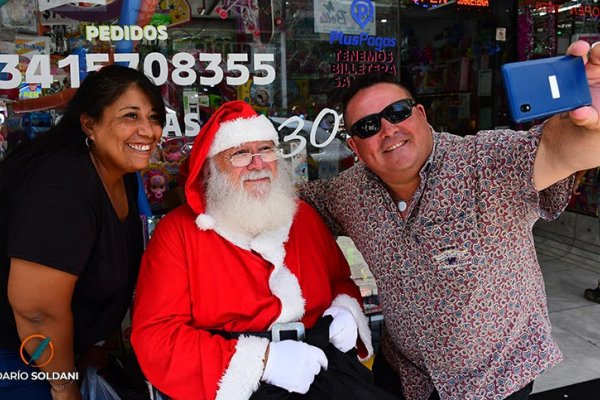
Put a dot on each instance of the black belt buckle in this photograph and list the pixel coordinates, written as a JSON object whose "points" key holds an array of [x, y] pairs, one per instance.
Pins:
{"points": [[287, 331]]}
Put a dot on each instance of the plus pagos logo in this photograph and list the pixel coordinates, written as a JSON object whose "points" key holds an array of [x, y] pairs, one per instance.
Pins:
{"points": [[362, 12]]}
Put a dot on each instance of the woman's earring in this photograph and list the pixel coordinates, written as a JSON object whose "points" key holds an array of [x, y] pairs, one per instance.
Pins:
{"points": [[89, 142]]}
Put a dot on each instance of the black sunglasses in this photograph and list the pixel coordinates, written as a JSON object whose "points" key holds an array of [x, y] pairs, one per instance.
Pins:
{"points": [[371, 124]]}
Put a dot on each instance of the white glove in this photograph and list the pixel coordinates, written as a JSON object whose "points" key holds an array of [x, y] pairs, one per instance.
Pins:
{"points": [[343, 331], [293, 365]]}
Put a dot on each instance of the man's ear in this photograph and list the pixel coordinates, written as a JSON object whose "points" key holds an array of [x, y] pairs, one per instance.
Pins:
{"points": [[354, 147], [422, 111], [87, 124]]}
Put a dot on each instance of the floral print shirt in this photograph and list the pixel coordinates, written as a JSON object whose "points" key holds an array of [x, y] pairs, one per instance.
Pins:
{"points": [[461, 289]]}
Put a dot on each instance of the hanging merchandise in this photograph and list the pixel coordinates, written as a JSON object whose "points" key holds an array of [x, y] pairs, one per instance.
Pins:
{"points": [[162, 176], [50, 102], [90, 12], [247, 17], [155, 180], [50, 4], [255, 17], [128, 16], [258, 96], [20, 16], [178, 11], [27, 46], [134, 12], [145, 11]]}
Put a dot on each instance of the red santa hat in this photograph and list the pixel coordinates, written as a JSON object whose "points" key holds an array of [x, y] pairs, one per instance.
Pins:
{"points": [[233, 124]]}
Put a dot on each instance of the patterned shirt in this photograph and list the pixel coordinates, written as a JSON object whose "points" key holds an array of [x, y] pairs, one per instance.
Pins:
{"points": [[461, 289]]}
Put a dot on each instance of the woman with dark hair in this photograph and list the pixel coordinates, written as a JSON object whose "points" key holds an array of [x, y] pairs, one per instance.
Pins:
{"points": [[70, 231]]}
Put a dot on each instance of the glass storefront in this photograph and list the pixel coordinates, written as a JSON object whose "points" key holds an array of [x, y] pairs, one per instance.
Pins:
{"points": [[286, 58], [291, 60]]}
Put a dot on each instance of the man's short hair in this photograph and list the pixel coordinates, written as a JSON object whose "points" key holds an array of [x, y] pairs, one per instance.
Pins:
{"points": [[366, 81]]}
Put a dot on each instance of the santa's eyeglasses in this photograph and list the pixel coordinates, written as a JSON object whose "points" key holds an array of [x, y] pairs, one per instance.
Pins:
{"points": [[371, 124], [244, 159]]}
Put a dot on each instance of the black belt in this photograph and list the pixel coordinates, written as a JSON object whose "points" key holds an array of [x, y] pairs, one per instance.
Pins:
{"points": [[278, 332]]}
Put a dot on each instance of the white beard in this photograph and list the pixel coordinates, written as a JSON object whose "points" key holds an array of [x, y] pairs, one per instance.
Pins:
{"points": [[244, 215]]}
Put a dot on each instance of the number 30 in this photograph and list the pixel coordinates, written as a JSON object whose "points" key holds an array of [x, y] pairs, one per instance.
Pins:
{"points": [[313, 132]]}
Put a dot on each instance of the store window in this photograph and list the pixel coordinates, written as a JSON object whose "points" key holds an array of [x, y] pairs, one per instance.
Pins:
{"points": [[451, 55], [286, 58], [291, 60]]}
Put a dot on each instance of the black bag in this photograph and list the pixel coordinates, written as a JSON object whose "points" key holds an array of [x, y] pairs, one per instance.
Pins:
{"points": [[346, 378]]}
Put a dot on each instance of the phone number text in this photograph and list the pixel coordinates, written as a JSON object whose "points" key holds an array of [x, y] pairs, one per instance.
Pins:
{"points": [[183, 71]]}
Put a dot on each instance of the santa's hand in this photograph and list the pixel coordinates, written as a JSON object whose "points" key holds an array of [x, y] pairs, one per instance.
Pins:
{"points": [[293, 365], [343, 330]]}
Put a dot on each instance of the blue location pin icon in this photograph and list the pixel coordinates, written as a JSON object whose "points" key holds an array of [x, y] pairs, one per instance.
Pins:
{"points": [[362, 11]]}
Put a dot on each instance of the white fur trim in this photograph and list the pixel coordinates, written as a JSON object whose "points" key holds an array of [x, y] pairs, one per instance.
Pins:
{"points": [[242, 377], [283, 284], [271, 244], [239, 240], [234, 133], [350, 303], [205, 222]]}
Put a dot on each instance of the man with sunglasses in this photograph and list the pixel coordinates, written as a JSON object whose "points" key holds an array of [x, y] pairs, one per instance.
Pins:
{"points": [[444, 223], [231, 280]]}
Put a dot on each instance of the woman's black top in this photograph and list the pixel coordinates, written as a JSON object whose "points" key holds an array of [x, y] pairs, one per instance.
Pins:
{"points": [[60, 216]]}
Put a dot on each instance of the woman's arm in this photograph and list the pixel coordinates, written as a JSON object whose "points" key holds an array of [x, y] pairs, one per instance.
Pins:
{"points": [[40, 297]]}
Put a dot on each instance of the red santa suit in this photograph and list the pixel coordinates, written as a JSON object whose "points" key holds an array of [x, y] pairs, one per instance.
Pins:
{"points": [[196, 277]]}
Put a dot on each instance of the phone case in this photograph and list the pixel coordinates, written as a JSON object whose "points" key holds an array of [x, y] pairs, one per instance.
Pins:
{"points": [[544, 87]]}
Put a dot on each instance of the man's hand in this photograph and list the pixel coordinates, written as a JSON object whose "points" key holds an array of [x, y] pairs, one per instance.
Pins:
{"points": [[571, 142], [588, 117], [293, 365], [343, 330]]}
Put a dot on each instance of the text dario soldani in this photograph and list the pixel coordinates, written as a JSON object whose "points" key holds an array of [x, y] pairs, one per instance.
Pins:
{"points": [[363, 13], [42, 355]]}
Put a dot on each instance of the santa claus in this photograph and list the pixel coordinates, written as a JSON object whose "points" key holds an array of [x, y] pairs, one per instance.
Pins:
{"points": [[242, 262]]}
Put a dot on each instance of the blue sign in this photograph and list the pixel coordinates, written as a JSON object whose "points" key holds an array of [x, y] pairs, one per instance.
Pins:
{"points": [[362, 11]]}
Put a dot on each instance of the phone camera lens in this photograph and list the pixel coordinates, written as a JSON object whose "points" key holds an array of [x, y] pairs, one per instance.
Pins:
{"points": [[525, 108]]}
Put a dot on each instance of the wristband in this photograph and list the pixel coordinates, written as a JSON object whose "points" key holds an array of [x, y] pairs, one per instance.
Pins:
{"points": [[62, 387]]}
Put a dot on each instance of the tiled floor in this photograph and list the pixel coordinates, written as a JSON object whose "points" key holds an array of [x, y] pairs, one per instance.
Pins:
{"points": [[575, 320]]}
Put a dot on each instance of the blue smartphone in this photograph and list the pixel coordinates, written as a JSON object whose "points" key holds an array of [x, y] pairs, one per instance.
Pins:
{"points": [[544, 87]]}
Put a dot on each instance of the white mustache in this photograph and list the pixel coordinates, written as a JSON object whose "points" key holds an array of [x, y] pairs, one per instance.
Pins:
{"points": [[252, 175]]}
